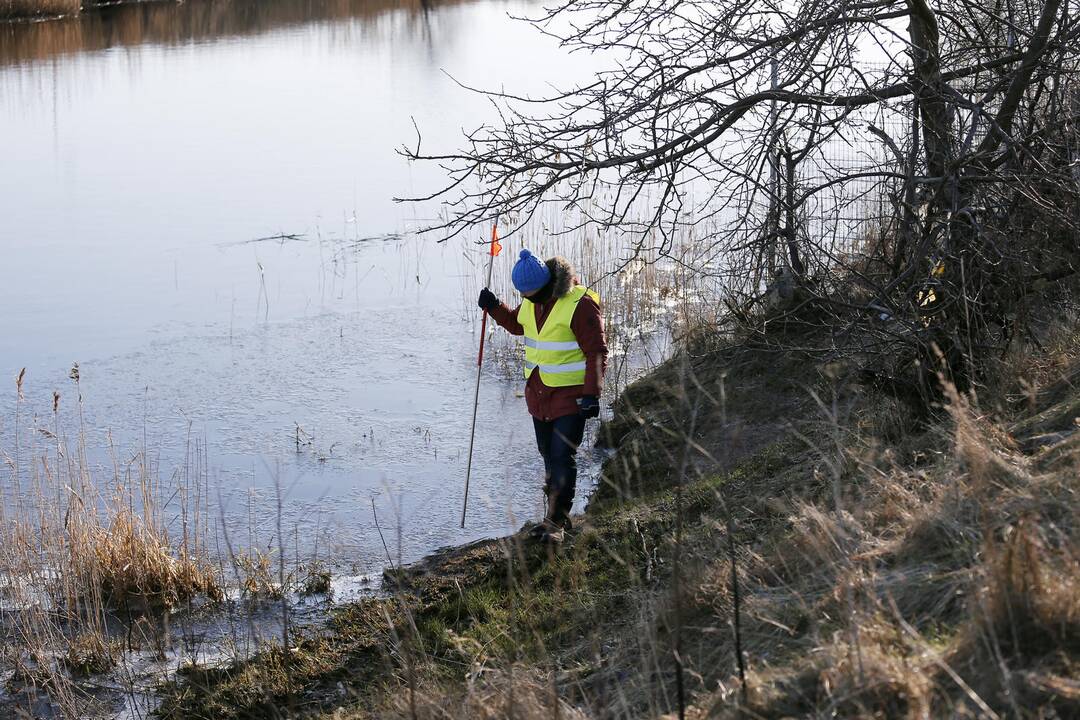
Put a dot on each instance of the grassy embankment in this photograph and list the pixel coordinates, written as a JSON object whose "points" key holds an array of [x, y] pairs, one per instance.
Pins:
{"points": [[885, 567]]}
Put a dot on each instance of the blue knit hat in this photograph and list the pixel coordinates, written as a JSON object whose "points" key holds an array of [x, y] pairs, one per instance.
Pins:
{"points": [[530, 273]]}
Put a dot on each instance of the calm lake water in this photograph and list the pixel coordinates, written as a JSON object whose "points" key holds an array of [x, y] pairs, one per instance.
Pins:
{"points": [[146, 149]]}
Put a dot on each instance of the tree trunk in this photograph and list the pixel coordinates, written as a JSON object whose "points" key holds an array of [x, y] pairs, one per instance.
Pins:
{"points": [[930, 90]]}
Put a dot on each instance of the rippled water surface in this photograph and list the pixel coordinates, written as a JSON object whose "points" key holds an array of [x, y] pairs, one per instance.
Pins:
{"points": [[147, 151]]}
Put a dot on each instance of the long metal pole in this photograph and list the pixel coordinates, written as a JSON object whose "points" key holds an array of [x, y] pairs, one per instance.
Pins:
{"points": [[479, 368]]}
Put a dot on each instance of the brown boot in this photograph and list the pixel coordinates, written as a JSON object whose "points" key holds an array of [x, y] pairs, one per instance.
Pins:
{"points": [[553, 535], [538, 530], [557, 521], [551, 528]]}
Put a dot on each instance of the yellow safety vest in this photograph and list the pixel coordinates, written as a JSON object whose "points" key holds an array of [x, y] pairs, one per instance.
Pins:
{"points": [[553, 349]]}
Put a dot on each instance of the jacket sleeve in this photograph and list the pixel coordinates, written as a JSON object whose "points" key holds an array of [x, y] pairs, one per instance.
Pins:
{"points": [[507, 318], [588, 327]]}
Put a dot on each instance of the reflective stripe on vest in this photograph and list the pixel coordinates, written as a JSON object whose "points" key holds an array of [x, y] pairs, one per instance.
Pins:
{"points": [[565, 368], [542, 345], [553, 351]]}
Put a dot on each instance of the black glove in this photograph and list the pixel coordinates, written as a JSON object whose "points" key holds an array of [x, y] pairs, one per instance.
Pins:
{"points": [[487, 300], [589, 406]]}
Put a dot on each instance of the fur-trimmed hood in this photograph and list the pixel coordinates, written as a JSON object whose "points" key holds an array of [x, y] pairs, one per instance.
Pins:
{"points": [[562, 274]]}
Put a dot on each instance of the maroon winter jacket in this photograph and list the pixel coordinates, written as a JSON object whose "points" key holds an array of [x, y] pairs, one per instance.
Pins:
{"points": [[547, 403]]}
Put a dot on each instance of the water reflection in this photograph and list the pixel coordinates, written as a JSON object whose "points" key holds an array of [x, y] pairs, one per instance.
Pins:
{"points": [[170, 23]]}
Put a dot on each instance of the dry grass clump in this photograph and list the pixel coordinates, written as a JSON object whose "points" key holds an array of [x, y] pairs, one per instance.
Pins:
{"points": [[90, 653], [99, 558], [886, 674], [816, 540], [261, 576], [129, 563], [315, 579], [257, 575], [986, 454], [523, 692], [1022, 646], [1023, 381], [86, 545]]}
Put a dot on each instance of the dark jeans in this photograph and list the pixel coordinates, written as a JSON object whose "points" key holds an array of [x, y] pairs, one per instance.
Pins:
{"points": [[558, 442]]}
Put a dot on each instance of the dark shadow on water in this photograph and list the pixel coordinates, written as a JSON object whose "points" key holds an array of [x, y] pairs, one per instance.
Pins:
{"points": [[170, 23]]}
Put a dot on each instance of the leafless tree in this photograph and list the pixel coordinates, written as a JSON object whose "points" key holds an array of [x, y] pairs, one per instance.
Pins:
{"points": [[720, 122]]}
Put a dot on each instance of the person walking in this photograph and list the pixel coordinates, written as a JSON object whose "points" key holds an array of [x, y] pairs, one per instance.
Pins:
{"points": [[565, 361]]}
